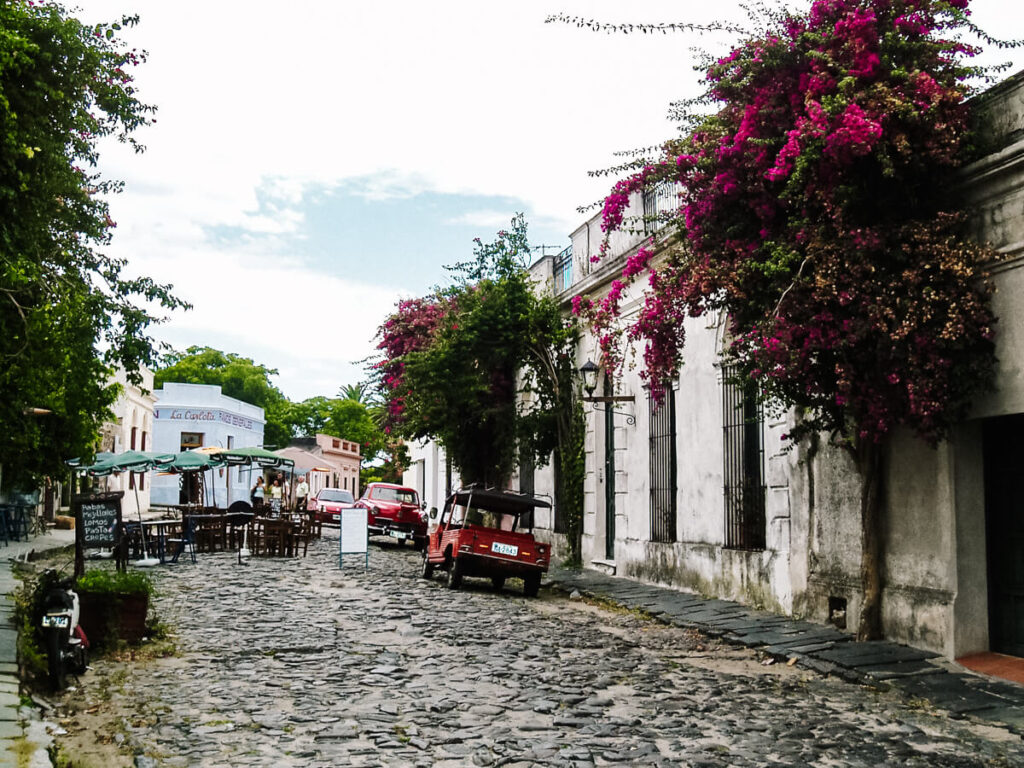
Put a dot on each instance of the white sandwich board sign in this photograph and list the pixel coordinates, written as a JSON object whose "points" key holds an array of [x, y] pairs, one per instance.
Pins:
{"points": [[353, 536]]}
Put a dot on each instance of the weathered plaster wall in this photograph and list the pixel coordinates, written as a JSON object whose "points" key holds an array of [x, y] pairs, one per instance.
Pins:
{"points": [[697, 559], [935, 559]]}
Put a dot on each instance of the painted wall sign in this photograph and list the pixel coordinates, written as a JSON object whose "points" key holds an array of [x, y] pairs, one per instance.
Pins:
{"points": [[203, 414]]}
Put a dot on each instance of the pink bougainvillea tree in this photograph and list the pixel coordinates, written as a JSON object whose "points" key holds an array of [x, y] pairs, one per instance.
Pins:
{"points": [[815, 214], [410, 328]]}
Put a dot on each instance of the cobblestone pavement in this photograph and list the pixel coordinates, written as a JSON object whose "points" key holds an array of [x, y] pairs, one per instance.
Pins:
{"points": [[298, 663]]}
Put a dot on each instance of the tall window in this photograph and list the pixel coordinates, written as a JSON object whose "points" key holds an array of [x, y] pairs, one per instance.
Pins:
{"points": [[563, 269], [142, 477], [663, 466], [744, 459], [664, 198]]}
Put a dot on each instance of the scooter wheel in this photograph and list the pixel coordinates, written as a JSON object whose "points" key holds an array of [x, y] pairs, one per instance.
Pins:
{"points": [[81, 660], [54, 661]]}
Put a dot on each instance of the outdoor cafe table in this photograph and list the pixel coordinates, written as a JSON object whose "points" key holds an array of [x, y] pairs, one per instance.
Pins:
{"points": [[231, 525], [278, 536], [158, 529]]}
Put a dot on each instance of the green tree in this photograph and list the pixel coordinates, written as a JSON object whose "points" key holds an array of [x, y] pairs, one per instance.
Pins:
{"points": [[342, 417], [63, 87], [238, 377], [456, 363], [310, 416], [359, 392]]}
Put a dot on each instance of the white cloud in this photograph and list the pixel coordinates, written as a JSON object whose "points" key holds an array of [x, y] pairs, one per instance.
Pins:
{"points": [[261, 102], [485, 219], [310, 325]]}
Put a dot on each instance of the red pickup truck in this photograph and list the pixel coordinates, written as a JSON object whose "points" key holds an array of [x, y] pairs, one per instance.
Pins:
{"points": [[481, 532]]}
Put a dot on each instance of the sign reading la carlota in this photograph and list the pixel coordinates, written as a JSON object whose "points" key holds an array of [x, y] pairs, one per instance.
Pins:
{"points": [[202, 414]]}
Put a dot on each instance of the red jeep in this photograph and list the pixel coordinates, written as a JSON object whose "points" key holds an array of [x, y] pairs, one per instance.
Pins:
{"points": [[477, 535], [394, 511]]}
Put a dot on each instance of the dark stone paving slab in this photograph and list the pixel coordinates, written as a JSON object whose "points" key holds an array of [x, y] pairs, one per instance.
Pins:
{"points": [[826, 650], [901, 669], [795, 649], [874, 653]]}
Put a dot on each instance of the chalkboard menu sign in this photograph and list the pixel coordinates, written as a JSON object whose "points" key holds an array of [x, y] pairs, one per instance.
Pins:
{"points": [[97, 523]]}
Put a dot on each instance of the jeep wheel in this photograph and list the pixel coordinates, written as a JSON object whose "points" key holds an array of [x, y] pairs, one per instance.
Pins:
{"points": [[531, 584], [497, 582], [428, 567], [454, 575]]}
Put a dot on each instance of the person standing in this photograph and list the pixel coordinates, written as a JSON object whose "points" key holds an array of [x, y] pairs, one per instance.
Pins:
{"points": [[257, 493], [301, 494], [276, 496]]}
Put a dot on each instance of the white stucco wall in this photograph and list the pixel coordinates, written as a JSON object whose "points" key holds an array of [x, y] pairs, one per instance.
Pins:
{"points": [[133, 410]]}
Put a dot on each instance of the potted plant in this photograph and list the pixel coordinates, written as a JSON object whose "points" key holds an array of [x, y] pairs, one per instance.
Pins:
{"points": [[113, 605]]}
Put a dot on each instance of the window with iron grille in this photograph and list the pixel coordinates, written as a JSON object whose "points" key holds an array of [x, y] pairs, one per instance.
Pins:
{"points": [[663, 465], [744, 458], [663, 199], [563, 269]]}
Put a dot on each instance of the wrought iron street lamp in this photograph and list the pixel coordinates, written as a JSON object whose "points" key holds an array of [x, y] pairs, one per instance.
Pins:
{"points": [[589, 373]]}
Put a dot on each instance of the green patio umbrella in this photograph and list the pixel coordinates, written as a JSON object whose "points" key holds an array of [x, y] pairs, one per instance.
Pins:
{"points": [[129, 461], [101, 456], [253, 455], [192, 461]]}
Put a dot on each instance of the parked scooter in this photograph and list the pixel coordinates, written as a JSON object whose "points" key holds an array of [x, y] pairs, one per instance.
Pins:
{"points": [[67, 647]]}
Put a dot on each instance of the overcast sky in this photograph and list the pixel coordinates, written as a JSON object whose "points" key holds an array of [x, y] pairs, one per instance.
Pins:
{"points": [[314, 161]]}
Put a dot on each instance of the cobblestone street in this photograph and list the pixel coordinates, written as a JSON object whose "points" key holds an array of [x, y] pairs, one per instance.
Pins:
{"points": [[295, 662]]}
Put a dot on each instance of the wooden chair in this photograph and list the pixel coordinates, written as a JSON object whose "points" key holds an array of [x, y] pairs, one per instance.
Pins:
{"points": [[302, 532], [316, 526], [211, 534], [185, 541], [271, 536], [258, 536]]}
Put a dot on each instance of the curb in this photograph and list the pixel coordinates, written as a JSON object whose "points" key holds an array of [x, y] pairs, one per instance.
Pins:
{"points": [[22, 729]]}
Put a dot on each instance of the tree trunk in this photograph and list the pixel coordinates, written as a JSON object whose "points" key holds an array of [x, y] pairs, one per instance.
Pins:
{"points": [[869, 456]]}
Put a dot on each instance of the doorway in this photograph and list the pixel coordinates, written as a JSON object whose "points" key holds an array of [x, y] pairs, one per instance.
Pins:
{"points": [[1004, 520]]}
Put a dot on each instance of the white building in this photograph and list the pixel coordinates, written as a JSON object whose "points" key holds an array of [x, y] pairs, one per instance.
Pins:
{"points": [[198, 415], [430, 473], [700, 494], [131, 430]]}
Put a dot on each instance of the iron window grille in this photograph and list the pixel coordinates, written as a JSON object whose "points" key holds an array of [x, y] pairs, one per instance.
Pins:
{"points": [[657, 202], [744, 460], [563, 269], [663, 465]]}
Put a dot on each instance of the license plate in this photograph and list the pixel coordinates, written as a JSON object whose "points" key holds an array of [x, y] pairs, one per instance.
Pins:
{"points": [[334, 518], [504, 549], [398, 535], [57, 621]]}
